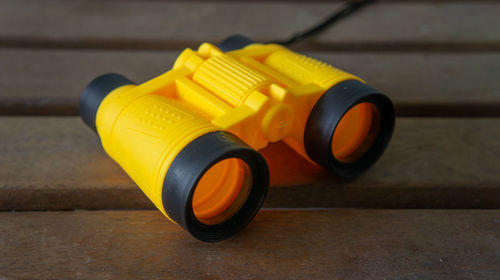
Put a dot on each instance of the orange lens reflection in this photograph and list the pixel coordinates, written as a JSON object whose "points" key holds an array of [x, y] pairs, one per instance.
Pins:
{"points": [[221, 191], [355, 132]]}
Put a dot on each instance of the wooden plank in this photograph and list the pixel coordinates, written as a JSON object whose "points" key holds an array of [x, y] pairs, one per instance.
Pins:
{"points": [[56, 163], [315, 1], [160, 25], [329, 244], [420, 84]]}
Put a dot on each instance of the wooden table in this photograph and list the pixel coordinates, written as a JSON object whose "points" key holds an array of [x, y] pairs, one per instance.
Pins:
{"points": [[427, 210]]}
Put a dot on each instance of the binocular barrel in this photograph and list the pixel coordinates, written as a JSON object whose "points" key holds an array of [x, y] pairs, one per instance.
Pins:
{"points": [[189, 137]]}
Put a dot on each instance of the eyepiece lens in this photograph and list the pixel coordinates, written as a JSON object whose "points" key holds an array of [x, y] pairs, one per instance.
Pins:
{"points": [[221, 191], [356, 132]]}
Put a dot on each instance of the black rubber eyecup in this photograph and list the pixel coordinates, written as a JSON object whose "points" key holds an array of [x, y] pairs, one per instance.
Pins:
{"points": [[326, 115], [95, 92], [234, 42], [190, 165]]}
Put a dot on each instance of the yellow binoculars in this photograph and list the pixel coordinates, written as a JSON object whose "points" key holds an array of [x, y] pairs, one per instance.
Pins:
{"points": [[189, 137]]}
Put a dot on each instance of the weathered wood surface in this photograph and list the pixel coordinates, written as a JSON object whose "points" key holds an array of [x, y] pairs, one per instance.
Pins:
{"points": [[160, 24], [38, 82], [56, 163], [329, 244], [435, 58]]}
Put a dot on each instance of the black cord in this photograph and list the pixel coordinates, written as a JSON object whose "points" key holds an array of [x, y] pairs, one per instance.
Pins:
{"points": [[348, 9]]}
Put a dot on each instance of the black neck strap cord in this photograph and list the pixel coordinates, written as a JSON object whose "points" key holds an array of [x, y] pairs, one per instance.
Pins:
{"points": [[348, 9]]}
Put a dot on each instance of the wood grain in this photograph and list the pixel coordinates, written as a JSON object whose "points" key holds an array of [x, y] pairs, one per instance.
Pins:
{"points": [[49, 82], [160, 24], [56, 163], [329, 244]]}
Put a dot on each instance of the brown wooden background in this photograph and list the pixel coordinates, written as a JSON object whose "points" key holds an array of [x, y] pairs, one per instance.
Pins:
{"points": [[427, 210]]}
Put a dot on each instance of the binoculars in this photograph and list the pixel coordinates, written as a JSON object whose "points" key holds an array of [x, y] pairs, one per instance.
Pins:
{"points": [[189, 137]]}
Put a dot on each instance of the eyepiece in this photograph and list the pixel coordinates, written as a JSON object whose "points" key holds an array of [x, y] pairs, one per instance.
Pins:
{"points": [[215, 186], [234, 42], [349, 128], [95, 92]]}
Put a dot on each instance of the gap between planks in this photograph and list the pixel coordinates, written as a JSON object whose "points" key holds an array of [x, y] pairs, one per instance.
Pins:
{"points": [[172, 45]]}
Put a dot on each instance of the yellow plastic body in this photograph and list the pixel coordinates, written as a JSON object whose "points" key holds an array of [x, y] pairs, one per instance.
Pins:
{"points": [[261, 93]]}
